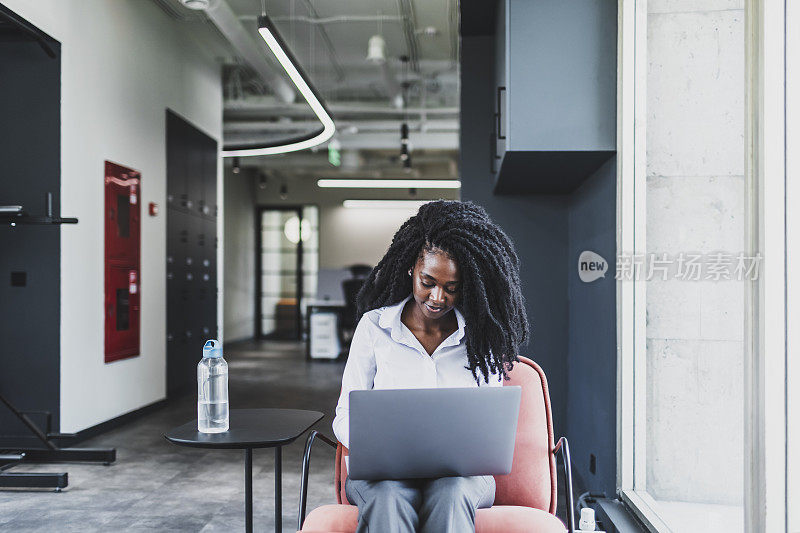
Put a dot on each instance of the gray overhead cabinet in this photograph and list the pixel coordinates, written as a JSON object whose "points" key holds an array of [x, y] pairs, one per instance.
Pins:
{"points": [[555, 109]]}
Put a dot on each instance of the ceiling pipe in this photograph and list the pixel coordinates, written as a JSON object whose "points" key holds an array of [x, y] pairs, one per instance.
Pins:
{"points": [[406, 9], [325, 39], [437, 140], [317, 163], [332, 20], [223, 17], [268, 105], [361, 126]]}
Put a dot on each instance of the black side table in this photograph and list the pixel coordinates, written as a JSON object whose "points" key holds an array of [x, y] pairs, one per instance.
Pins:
{"points": [[252, 428]]}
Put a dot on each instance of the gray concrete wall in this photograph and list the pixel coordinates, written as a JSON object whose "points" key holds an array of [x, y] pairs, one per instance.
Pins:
{"points": [[695, 203], [240, 243]]}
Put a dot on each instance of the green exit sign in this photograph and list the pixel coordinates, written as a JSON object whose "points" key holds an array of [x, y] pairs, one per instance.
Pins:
{"points": [[334, 157]]}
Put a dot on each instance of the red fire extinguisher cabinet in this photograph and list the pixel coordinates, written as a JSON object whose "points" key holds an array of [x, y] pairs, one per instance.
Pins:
{"points": [[122, 261]]}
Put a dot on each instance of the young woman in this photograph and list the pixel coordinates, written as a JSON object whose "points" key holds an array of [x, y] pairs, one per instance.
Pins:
{"points": [[443, 308]]}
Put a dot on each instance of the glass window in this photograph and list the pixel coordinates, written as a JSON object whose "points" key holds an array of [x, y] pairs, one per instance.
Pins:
{"points": [[286, 235], [689, 380]]}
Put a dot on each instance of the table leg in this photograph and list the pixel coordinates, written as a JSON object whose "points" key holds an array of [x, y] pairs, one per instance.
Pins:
{"points": [[248, 490], [278, 494]]}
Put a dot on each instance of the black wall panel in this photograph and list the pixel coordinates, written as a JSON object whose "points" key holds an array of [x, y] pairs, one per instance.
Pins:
{"points": [[210, 188], [30, 266], [191, 249], [536, 223]]}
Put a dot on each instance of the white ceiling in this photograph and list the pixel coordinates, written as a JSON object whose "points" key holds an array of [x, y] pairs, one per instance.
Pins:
{"points": [[329, 39], [349, 25]]}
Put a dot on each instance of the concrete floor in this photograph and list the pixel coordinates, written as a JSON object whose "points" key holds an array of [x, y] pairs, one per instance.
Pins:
{"points": [[157, 486]]}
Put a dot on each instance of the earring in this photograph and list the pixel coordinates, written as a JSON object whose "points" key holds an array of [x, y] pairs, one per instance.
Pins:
{"points": [[409, 271]]}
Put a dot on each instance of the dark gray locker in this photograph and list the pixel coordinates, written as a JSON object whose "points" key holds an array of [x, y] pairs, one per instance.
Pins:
{"points": [[210, 180], [194, 172], [191, 250], [176, 161]]}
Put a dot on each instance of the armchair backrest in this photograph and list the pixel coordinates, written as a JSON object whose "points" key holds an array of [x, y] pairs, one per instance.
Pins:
{"points": [[532, 481]]}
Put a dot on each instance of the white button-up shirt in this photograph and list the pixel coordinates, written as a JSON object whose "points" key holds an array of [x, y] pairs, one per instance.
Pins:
{"points": [[385, 354]]}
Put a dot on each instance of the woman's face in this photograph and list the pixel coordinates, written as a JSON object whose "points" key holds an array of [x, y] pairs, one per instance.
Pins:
{"points": [[436, 284]]}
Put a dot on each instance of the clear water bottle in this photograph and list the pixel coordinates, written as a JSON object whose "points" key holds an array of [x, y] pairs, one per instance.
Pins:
{"points": [[212, 390]]}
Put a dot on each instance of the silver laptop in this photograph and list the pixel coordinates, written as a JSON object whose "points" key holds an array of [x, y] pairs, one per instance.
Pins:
{"points": [[422, 433]]}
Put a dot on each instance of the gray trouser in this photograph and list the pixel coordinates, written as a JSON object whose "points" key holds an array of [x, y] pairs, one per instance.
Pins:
{"points": [[442, 505]]}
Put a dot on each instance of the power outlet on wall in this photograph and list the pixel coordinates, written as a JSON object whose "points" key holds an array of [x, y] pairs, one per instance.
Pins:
{"points": [[19, 279]]}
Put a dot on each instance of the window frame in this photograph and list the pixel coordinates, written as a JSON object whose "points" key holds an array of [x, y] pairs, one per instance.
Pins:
{"points": [[631, 239], [771, 439], [792, 146], [766, 407]]}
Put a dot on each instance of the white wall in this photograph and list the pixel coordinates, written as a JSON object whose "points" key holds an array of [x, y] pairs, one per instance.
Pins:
{"points": [[123, 63], [240, 242], [349, 236]]}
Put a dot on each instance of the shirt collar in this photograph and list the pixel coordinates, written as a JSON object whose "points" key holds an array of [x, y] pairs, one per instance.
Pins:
{"points": [[390, 319]]}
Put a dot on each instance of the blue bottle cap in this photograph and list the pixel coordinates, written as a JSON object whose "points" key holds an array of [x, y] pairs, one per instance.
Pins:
{"points": [[212, 348]]}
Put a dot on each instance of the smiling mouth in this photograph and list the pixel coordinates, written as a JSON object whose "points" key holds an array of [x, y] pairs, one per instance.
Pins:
{"points": [[434, 309]]}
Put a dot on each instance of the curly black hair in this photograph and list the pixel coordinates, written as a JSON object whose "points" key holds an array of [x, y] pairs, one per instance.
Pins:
{"points": [[491, 296]]}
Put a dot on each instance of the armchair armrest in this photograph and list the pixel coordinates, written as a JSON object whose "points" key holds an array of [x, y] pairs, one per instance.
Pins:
{"points": [[301, 514], [563, 446]]}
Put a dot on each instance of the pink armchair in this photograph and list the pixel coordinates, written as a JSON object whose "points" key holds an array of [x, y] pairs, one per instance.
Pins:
{"points": [[525, 499]]}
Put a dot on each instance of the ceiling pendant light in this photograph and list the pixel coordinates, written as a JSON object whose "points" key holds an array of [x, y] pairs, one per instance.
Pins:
{"points": [[376, 50], [405, 155], [284, 56], [405, 149]]}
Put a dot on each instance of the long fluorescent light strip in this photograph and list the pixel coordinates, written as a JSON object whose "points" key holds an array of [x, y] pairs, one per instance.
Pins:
{"points": [[328, 127], [384, 204], [388, 184]]}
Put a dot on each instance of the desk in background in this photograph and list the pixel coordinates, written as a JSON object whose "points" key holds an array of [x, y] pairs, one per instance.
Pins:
{"points": [[323, 323]]}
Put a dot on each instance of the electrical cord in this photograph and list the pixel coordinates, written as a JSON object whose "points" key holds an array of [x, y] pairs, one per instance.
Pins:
{"points": [[588, 495]]}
